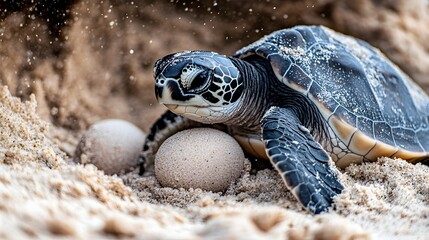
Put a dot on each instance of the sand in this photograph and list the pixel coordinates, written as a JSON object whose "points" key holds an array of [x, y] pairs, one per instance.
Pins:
{"points": [[57, 79]]}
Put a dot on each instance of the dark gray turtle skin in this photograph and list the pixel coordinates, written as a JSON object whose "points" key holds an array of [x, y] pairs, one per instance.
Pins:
{"points": [[300, 98]]}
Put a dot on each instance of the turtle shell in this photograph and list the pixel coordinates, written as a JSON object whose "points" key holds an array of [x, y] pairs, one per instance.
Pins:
{"points": [[370, 105]]}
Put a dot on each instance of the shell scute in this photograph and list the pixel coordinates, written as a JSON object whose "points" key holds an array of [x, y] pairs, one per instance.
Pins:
{"points": [[406, 139], [301, 79], [322, 98], [423, 137], [307, 34], [383, 132], [366, 126], [346, 115]]}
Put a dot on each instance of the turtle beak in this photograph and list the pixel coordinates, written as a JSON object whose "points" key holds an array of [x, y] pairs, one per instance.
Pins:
{"points": [[163, 92]]}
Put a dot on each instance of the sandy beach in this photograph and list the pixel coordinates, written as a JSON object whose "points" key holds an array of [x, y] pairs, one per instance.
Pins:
{"points": [[59, 75]]}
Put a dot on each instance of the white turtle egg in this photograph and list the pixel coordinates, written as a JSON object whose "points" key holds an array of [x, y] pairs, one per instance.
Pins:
{"points": [[112, 145], [202, 158]]}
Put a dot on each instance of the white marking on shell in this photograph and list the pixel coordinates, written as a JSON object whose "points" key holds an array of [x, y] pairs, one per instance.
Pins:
{"points": [[295, 52]]}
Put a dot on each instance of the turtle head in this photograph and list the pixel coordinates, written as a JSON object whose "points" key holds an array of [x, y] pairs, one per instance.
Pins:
{"points": [[202, 86]]}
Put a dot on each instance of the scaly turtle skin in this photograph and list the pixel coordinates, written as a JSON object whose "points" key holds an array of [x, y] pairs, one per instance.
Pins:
{"points": [[296, 97]]}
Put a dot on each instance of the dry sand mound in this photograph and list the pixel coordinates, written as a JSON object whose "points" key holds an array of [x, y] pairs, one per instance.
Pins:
{"points": [[97, 64]]}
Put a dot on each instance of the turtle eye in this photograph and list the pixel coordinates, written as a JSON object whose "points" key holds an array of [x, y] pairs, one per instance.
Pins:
{"points": [[195, 79], [200, 82]]}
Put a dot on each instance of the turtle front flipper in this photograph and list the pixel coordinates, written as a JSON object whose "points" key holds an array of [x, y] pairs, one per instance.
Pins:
{"points": [[166, 126], [301, 161]]}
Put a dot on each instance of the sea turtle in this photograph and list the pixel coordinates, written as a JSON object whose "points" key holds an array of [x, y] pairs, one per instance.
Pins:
{"points": [[296, 97]]}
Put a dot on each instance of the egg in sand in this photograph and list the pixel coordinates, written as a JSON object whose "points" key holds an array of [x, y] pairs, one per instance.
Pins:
{"points": [[203, 158], [112, 145]]}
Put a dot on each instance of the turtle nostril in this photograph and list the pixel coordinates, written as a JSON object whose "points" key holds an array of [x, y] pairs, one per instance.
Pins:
{"points": [[160, 82]]}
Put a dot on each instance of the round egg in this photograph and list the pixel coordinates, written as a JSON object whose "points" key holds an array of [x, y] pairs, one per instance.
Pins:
{"points": [[203, 158], [111, 145]]}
